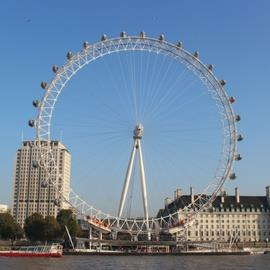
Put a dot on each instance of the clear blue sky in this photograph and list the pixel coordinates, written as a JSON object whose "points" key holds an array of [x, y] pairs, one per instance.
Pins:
{"points": [[233, 35]]}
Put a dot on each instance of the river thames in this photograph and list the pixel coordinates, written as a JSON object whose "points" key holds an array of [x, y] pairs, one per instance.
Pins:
{"points": [[249, 262]]}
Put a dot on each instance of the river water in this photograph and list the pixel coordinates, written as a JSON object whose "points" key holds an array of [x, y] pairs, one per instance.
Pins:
{"points": [[257, 262]]}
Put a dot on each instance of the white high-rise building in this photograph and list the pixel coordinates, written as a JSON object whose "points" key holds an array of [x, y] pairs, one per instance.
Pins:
{"points": [[30, 195]]}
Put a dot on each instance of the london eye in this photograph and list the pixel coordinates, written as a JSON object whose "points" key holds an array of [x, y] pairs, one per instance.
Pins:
{"points": [[158, 114]]}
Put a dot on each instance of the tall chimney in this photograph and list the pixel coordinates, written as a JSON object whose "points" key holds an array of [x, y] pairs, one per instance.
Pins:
{"points": [[177, 193], [167, 201], [192, 194], [222, 193], [237, 195], [268, 194]]}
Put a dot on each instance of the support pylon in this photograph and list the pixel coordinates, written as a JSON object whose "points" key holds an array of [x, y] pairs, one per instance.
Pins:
{"points": [[136, 148]]}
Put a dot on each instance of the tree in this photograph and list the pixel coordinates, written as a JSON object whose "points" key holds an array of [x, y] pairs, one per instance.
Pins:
{"points": [[52, 228], [66, 218], [35, 227], [9, 229], [38, 228]]}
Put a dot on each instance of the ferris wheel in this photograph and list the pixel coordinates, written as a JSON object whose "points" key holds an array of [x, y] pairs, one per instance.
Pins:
{"points": [[152, 101]]}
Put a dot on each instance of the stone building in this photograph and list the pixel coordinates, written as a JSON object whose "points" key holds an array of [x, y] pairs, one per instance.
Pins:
{"points": [[237, 218], [4, 208]]}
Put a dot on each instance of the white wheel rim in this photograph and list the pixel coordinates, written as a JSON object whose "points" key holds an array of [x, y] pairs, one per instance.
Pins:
{"points": [[115, 45]]}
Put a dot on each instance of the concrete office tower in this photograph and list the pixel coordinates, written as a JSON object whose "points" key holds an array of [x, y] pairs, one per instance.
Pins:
{"points": [[30, 195]]}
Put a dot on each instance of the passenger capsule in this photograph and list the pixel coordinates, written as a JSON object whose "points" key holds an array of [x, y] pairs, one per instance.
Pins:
{"points": [[222, 82], [238, 157], [69, 55], [123, 35], [231, 99], [232, 176], [237, 118], [44, 184], [239, 138], [179, 44], [34, 164], [31, 123], [36, 103], [56, 202], [210, 67], [55, 69], [142, 35], [196, 54], [44, 85], [161, 37], [86, 45], [104, 38], [51, 182]]}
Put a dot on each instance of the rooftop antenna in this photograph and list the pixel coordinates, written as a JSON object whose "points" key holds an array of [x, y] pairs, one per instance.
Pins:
{"points": [[61, 135], [22, 136]]}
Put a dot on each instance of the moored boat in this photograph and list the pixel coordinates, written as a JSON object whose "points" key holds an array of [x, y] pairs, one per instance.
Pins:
{"points": [[217, 252], [54, 250]]}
